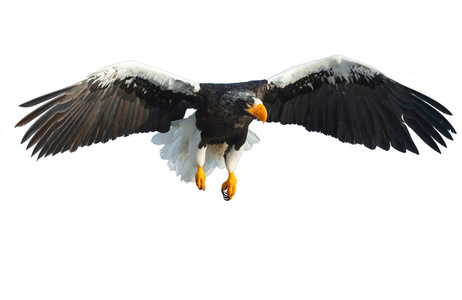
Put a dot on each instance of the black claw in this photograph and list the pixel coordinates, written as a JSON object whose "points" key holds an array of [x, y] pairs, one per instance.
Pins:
{"points": [[225, 195]]}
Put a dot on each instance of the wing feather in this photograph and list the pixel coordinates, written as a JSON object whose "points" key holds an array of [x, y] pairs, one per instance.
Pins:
{"points": [[117, 101], [357, 104]]}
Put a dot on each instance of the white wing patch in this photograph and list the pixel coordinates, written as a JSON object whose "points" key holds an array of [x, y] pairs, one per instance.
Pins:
{"points": [[337, 65], [168, 81]]}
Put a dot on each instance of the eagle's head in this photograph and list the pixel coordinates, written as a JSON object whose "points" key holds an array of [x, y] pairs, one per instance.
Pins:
{"points": [[246, 104]]}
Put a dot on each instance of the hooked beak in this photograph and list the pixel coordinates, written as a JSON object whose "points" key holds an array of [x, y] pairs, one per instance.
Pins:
{"points": [[259, 112]]}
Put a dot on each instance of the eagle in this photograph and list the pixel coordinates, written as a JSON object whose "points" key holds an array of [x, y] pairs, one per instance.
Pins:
{"points": [[336, 96]]}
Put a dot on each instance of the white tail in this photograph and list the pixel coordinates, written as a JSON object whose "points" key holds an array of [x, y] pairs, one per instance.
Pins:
{"points": [[181, 145]]}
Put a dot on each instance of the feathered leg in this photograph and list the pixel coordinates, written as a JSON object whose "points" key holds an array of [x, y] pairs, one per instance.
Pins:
{"points": [[228, 188], [200, 176]]}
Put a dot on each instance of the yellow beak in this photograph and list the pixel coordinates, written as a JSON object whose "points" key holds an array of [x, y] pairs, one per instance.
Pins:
{"points": [[259, 112]]}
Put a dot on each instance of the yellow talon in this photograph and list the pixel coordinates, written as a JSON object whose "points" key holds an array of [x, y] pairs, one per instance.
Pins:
{"points": [[200, 178], [230, 187]]}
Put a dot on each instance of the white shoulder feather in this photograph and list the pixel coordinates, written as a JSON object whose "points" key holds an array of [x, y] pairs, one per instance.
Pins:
{"points": [[337, 65], [132, 69]]}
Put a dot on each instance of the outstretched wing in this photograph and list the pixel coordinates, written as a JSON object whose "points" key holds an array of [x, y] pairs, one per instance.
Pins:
{"points": [[117, 101], [355, 103]]}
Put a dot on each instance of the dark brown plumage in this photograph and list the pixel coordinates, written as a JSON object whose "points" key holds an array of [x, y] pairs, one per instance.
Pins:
{"points": [[373, 112]]}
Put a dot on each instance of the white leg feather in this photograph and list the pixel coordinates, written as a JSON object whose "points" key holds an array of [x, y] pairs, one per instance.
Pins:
{"points": [[232, 158], [200, 157]]}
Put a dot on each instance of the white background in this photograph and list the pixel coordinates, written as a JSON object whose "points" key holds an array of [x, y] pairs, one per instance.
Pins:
{"points": [[313, 218]]}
